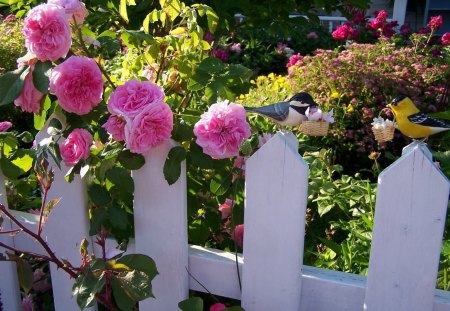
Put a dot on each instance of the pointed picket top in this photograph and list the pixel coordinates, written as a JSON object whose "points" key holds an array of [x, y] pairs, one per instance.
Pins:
{"points": [[160, 221], [9, 286], [410, 215], [275, 207]]}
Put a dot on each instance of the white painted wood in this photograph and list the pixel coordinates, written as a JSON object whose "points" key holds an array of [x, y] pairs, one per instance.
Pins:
{"points": [[160, 221], [275, 207], [399, 11], [409, 222], [69, 219], [9, 284]]}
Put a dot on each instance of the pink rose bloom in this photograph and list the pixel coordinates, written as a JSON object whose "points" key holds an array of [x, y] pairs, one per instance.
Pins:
{"points": [[47, 32], [76, 146], [116, 127], [312, 35], [238, 235], [4, 126], [342, 32], [221, 130], [78, 84], [133, 97], [10, 18], [217, 307], [40, 282], [221, 54], [405, 29], [359, 17], [264, 138], [30, 97], [150, 128], [236, 47], [445, 39], [225, 208], [435, 22], [294, 60], [27, 303], [382, 15], [73, 9]]}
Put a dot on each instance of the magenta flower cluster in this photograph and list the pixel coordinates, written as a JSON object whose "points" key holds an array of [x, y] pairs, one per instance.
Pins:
{"points": [[139, 116], [222, 129]]}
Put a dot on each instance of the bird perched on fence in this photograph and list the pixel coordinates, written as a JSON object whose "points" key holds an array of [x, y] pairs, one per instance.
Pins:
{"points": [[291, 112], [413, 123]]}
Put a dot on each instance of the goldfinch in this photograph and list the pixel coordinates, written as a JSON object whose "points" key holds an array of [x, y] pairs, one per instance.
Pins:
{"points": [[291, 112], [413, 123]]}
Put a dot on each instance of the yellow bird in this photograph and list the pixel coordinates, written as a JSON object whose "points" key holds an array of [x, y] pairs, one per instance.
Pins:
{"points": [[413, 123]]}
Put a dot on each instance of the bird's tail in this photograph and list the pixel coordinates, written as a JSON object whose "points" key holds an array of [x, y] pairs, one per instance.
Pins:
{"points": [[249, 108]]}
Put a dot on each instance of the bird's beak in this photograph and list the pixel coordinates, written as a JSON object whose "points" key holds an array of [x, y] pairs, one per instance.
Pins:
{"points": [[389, 105]]}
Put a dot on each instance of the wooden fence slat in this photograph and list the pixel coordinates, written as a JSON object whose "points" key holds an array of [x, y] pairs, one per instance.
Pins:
{"points": [[409, 221], [9, 284], [69, 219], [275, 209], [160, 220]]}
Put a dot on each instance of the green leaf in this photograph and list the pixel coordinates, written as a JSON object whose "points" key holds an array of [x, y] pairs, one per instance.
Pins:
{"points": [[141, 263], [39, 120], [198, 232], [123, 10], [10, 170], [99, 195], [121, 179], [41, 74], [130, 160], [24, 160], [51, 205], [25, 274], [26, 137], [211, 65], [220, 185], [86, 286], [118, 217], [235, 308], [98, 219], [11, 84], [199, 158], [172, 166], [191, 304], [130, 287]]}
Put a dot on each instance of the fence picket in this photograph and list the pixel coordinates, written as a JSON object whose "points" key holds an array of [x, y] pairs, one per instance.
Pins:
{"points": [[161, 229], [9, 284], [409, 221], [275, 208]]}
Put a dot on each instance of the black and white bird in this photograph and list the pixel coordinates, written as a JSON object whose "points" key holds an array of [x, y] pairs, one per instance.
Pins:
{"points": [[290, 113]]}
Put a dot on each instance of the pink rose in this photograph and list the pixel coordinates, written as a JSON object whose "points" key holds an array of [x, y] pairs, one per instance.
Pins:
{"points": [[73, 8], [116, 127], [4, 126], [225, 208], [221, 54], [222, 129], [30, 97], [217, 307], [133, 97], [445, 39], [47, 32], [78, 84], [435, 22], [238, 235], [76, 146], [150, 128], [342, 32], [294, 60]]}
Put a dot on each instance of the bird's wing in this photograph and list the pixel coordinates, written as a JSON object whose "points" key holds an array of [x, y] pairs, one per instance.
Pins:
{"points": [[278, 111], [425, 120]]}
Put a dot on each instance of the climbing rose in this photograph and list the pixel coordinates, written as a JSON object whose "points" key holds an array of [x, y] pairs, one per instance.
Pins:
{"points": [[221, 54], [445, 39], [4, 126], [150, 128], [116, 127], [435, 22], [30, 98], [221, 130], [47, 32], [133, 97], [76, 146], [217, 307], [78, 84], [342, 32], [238, 235], [226, 207], [73, 9]]}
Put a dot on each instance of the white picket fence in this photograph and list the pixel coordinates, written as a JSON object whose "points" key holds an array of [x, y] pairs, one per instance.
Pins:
{"points": [[410, 216]]}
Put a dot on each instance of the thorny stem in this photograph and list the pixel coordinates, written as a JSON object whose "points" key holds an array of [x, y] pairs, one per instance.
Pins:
{"points": [[12, 232], [233, 224], [40, 240], [41, 213]]}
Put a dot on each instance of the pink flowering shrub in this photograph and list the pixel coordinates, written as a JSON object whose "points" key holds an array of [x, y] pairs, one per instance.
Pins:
{"points": [[76, 146], [217, 307], [4, 126], [435, 23], [30, 98], [78, 84], [47, 32], [139, 116], [222, 129]]}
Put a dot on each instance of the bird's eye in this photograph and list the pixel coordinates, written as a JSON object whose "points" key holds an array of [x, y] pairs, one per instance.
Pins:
{"points": [[398, 99]]}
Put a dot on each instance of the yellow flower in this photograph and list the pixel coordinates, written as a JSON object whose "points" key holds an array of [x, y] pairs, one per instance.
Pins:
{"points": [[242, 96], [271, 76], [350, 108], [334, 94]]}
